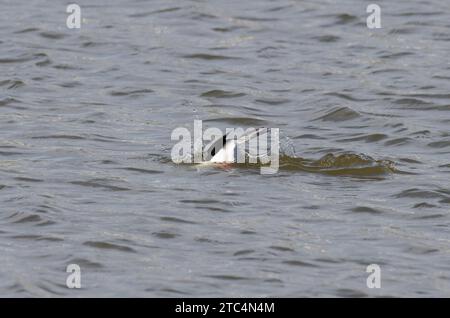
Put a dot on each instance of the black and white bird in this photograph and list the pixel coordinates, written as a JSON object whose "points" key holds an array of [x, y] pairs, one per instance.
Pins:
{"points": [[225, 149]]}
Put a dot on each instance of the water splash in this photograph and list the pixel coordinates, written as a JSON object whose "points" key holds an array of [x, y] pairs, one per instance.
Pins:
{"points": [[339, 165]]}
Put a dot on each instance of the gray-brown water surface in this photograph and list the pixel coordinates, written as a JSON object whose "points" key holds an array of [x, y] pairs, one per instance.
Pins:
{"points": [[85, 170]]}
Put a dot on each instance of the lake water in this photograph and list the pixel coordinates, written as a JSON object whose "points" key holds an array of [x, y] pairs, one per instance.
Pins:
{"points": [[86, 175]]}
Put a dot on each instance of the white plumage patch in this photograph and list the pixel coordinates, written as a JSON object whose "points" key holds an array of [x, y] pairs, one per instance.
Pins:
{"points": [[226, 154]]}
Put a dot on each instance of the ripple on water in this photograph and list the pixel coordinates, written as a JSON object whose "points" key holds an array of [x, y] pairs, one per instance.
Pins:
{"points": [[239, 121], [10, 60], [27, 30], [339, 114], [350, 293], [365, 138], [228, 277], [100, 183], [328, 38], [299, 263], [27, 218], [141, 170], [165, 235], [130, 92], [52, 35], [37, 238], [439, 144], [398, 141], [12, 84], [27, 179], [149, 13], [207, 204], [243, 252], [309, 136], [69, 137], [210, 57], [176, 220], [420, 193], [109, 246], [10, 100], [281, 248], [218, 93], [366, 209], [85, 263], [272, 101]]}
